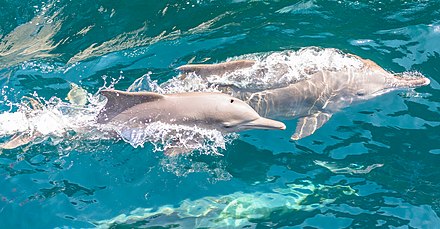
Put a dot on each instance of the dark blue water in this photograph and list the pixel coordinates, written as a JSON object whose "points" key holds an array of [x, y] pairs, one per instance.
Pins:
{"points": [[373, 164]]}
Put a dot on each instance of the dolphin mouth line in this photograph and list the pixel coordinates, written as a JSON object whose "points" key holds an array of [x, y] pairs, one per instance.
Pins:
{"points": [[264, 123]]}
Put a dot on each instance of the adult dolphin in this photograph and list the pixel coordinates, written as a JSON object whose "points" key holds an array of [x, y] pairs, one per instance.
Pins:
{"points": [[205, 109], [132, 110], [315, 99]]}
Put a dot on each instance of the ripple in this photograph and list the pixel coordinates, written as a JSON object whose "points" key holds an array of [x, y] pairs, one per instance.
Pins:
{"points": [[418, 43]]}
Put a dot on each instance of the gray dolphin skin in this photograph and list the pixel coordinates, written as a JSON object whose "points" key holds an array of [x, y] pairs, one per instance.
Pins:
{"points": [[315, 99], [208, 110]]}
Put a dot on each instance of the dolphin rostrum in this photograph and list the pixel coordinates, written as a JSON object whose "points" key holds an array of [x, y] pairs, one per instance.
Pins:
{"points": [[208, 110], [315, 99]]}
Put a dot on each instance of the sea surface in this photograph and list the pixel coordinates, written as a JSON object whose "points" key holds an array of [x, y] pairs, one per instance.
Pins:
{"points": [[374, 164]]}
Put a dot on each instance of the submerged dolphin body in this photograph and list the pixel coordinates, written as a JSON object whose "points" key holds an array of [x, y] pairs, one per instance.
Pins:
{"points": [[208, 110], [315, 99]]}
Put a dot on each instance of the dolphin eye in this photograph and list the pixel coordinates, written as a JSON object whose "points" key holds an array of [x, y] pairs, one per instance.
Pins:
{"points": [[227, 125], [360, 93], [232, 100]]}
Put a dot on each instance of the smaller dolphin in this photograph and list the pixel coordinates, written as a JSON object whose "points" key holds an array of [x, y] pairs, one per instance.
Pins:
{"points": [[315, 99], [208, 110]]}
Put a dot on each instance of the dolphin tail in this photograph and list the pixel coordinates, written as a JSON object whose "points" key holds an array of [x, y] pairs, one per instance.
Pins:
{"points": [[18, 140], [118, 101], [308, 125], [215, 69]]}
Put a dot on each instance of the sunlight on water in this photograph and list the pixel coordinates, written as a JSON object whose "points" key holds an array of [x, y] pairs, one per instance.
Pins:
{"points": [[351, 169], [32, 39]]}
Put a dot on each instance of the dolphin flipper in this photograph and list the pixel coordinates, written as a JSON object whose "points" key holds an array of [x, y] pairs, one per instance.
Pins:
{"points": [[215, 69], [118, 101], [309, 124]]}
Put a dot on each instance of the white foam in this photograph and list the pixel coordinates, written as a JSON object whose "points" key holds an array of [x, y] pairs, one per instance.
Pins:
{"points": [[174, 138], [52, 119], [11, 123]]}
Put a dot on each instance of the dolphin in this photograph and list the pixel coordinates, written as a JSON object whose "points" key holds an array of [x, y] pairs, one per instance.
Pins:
{"points": [[134, 110], [203, 109], [315, 99]]}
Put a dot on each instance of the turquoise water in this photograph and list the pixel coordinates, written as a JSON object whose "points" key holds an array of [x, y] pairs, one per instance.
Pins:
{"points": [[373, 164]]}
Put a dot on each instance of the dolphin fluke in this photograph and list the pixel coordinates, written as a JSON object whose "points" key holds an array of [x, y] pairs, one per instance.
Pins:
{"points": [[18, 140], [215, 69]]}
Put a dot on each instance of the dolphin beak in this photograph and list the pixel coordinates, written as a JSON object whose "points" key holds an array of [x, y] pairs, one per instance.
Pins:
{"points": [[409, 80], [265, 123]]}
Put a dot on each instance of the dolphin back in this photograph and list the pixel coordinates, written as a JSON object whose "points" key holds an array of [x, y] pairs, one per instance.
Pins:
{"points": [[119, 101]]}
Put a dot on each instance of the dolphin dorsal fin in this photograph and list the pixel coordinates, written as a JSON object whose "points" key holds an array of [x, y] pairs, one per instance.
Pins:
{"points": [[215, 69], [118, 101]]}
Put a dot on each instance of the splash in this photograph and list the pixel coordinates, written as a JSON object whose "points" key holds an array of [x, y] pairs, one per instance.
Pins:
{"points": [[235, 210], [175, 139], [36, 120], [174, 85]]}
